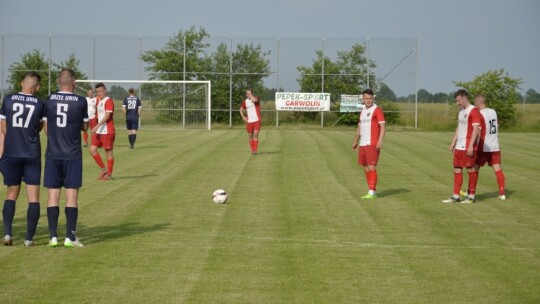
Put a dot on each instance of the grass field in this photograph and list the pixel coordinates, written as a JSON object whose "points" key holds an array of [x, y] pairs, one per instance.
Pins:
{"points": [[294, 229]]}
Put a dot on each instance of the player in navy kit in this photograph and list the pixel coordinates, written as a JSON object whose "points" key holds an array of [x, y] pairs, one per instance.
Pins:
{"points": [[66, 115], [21, 115], [132, 108]]}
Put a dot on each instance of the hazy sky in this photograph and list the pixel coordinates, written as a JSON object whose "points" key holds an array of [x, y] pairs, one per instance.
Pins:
{"points": [[457, 39]]}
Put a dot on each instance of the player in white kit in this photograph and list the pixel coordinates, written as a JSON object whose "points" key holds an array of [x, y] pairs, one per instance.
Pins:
{"points": [[489, 149]]}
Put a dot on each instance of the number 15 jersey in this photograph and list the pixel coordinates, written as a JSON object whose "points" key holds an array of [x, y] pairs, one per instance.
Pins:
{"points": [[489, 136], [65, 114]]}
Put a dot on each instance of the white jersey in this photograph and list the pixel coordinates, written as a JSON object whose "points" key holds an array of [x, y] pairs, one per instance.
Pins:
{"points": [[91, 107], [252, 110], [467, 119], [491, 134]]}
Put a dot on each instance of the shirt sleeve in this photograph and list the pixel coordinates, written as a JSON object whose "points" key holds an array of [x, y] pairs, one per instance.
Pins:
{"points": [[2, 110], [124, 103], [139, 103], [243, 106], [475, 117], [109, 105], [380, 115]]}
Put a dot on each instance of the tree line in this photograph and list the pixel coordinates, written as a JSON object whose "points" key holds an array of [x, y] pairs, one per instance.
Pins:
{"points": [[250, 65]]}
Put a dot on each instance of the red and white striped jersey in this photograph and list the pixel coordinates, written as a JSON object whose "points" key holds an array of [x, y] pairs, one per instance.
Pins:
{"points": [[489, 138], [104, 106], [467, 118], [369, 123], [253, 110]]}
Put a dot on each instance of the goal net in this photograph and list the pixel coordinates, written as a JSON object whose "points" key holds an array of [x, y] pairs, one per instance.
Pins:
{"points": [[165, 104]]}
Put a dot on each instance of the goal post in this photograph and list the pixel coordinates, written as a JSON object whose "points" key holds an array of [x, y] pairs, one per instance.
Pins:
{"points": [[166, 103]]}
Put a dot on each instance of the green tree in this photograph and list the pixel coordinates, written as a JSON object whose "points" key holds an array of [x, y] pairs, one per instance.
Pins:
{"points": [[440, 97], [117, 92], [385, 93], [31, 61], [501, 93], [249, 67], [424, 96], [531, 96], [71, 63], [346, 75]]}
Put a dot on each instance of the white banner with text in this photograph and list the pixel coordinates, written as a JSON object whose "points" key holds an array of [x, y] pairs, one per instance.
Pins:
{"points": [[303, 102]]}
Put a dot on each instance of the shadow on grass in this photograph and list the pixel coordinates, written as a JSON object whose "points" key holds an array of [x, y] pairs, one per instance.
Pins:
{"points": [[490, 195], [134, 176], [268, 152], [149, 147], [390, 192], [98, 234]]}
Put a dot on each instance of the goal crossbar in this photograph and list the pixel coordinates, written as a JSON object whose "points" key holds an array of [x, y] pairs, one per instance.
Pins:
{"points": [[206, 82]]}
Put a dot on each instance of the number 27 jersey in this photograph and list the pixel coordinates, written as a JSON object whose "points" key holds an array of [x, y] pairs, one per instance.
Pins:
{"points": [[65, 113]]}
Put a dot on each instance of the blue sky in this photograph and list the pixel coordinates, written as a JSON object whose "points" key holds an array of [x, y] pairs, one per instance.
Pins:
{"points": [[457, 39]]}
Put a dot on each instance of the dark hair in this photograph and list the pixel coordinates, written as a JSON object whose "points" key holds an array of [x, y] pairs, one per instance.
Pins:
{"points": [[33, 75], [131, 91], [100, 85], [368, 91], [461, 92]]}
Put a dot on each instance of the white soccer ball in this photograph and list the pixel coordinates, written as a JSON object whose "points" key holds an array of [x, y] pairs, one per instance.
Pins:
{"points": [[219, 196]]}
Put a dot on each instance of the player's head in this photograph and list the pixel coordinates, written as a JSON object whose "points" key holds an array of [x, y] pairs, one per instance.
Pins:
{"points": [[101, 90], [368, 97], [90, 93], [30, 83], [480, 101], [131, 91], [462, 98], [66, 80], [249, 93]]}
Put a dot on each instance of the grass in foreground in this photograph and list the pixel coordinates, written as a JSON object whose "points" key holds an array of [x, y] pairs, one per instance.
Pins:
{"points": [[294, 229]]}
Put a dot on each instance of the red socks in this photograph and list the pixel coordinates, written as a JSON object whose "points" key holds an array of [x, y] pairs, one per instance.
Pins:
{"points": [[473, 180], [110, 164], [500, 181], [254, 145], [458, 180], [371, 178], [99, 161]]}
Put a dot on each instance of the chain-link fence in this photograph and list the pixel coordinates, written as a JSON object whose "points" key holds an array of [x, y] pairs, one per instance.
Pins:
{"points": [[389, 61]]}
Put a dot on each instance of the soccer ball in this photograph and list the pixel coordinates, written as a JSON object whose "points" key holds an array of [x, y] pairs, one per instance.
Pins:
{"points": [[219, 196]]}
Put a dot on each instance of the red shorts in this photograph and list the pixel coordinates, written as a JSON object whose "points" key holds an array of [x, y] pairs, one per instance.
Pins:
{"points": [[253, 126], [105, 141], [368, 155], [492, 158], [92, 123], [461, 160]]}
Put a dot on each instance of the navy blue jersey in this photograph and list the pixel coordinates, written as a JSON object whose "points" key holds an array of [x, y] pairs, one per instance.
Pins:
{"points": [[23, 114], [65, 114], [132, 104]]}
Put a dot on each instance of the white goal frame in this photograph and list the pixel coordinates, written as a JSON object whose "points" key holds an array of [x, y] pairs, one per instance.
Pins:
{"points": [[208, 93]]}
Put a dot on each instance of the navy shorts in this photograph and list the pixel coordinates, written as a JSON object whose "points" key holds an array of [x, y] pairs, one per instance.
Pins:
{"points": [[132, 124], [17, 169], [63, 173]]}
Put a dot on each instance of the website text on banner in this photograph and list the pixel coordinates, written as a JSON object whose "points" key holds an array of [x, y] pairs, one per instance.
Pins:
{"points": [[351, 103], [306, 102]]}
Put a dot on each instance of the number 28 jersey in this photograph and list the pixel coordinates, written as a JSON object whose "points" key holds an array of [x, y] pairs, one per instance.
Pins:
{"points": [[489, 136], [65, 113], [23, 114]]}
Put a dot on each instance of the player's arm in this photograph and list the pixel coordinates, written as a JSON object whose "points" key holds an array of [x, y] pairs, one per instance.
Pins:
{"points": [[382, 126], [242, 113], [124, 105], [474, 137], [2, 137], [454, 140], [3, 126], [102, 121], [254, 98], [84, 126]]}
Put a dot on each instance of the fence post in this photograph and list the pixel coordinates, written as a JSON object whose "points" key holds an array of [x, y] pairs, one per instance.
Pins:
{"points": [[416, 89], [50, 62], [184, 85], [277, 83], [230, 81], [322, 81], [2, 67]]}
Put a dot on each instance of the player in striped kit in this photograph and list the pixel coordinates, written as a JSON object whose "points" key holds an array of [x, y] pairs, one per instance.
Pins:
{"points": [[103, 133], [253, 119], [370, 133], [91, 100], [464, 145], [488, 149]]}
